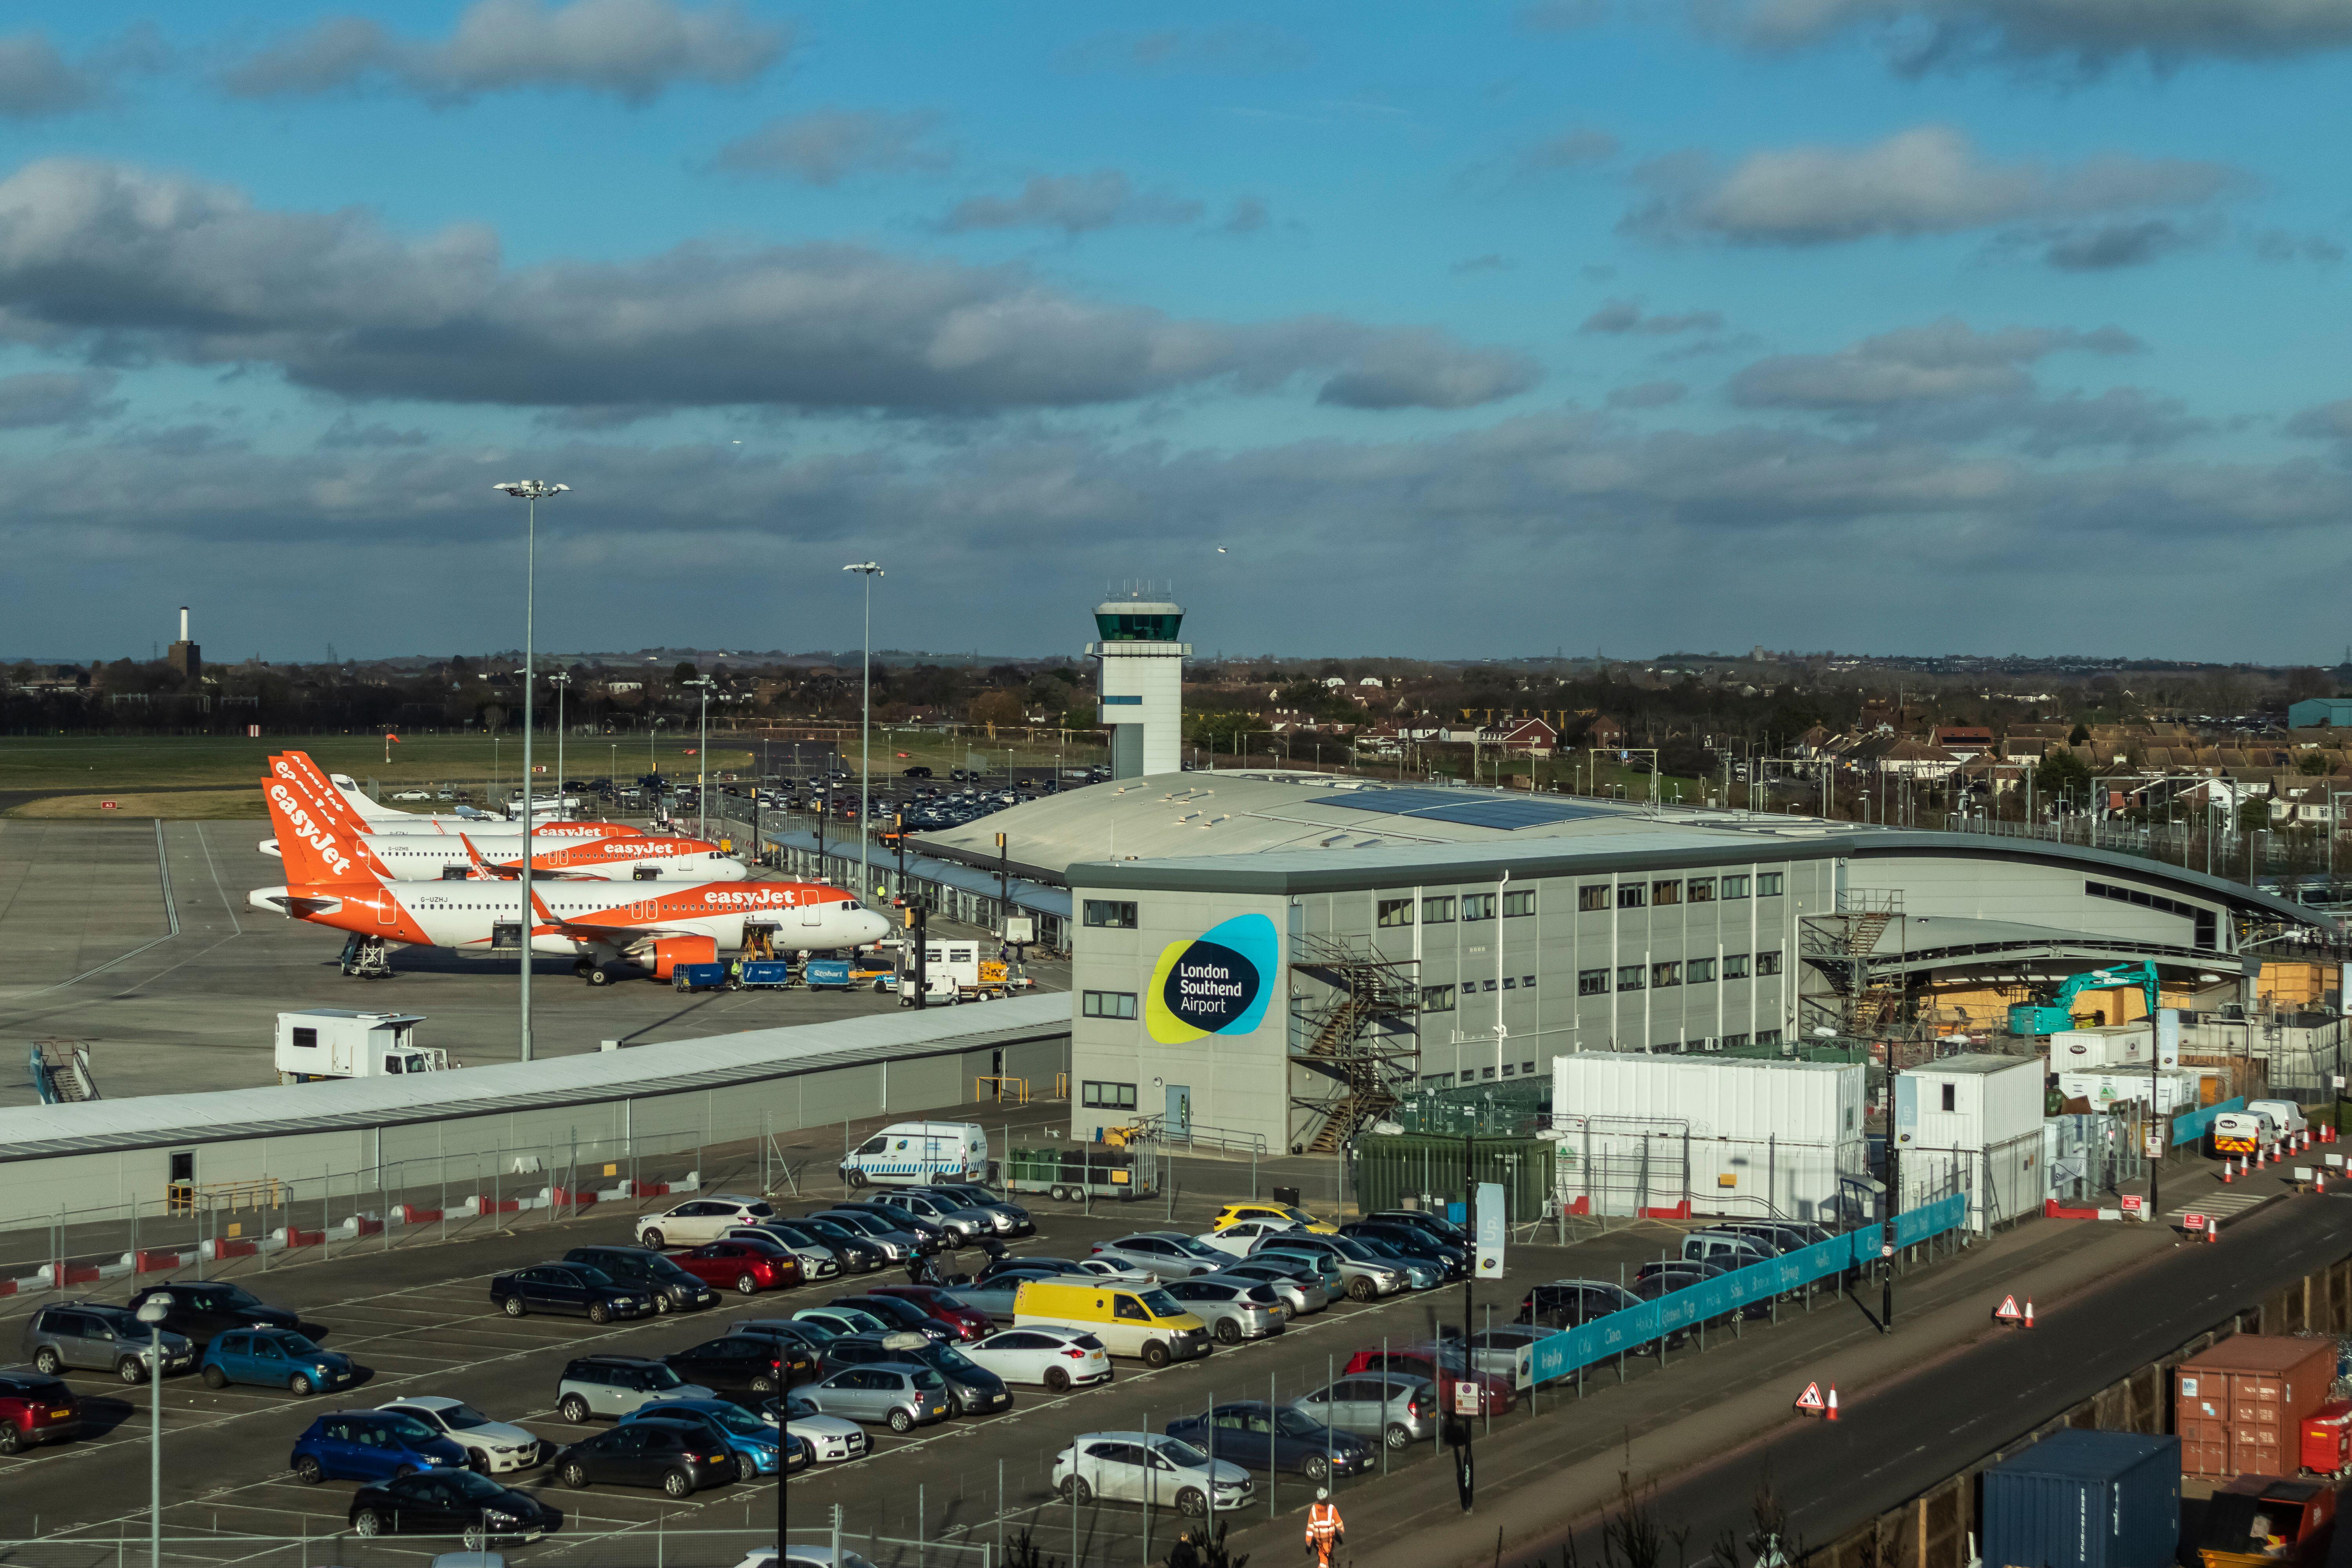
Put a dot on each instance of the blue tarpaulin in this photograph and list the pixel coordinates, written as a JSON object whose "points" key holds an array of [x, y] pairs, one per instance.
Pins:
{"points": [[2190, 1126], [1556, 1355]]}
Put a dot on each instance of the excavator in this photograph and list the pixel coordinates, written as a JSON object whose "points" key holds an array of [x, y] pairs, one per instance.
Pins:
{"points": [[2052, 1016]]}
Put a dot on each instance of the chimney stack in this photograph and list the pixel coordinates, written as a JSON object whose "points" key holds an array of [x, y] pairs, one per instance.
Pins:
{"points": [[183, 623], [183, 655]]}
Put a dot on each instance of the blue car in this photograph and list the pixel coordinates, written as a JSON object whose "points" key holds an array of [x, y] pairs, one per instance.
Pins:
{"points": [[371, 1446], [275, 1358], [752, 1440]]}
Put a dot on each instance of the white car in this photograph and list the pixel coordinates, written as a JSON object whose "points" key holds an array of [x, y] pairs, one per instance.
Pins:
{"points": [[413, 795], [1058, 1358], [1241, 1234], [830, 1438], [492, 1448], [1122, 1273], [1139, 1466], [698, 1220]]}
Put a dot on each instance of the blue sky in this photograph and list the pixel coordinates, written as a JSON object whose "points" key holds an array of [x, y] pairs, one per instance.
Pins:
{"points": [[1902, 325]]}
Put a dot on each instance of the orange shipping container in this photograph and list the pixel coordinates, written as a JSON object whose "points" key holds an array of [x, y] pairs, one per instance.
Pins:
{"points": [[2240, 1406]]}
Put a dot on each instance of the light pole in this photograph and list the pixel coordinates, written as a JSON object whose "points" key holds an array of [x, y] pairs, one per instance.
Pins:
{"points": [[702, 763], [558, 679], [868, 570], [531, 492], [151, 1312]]}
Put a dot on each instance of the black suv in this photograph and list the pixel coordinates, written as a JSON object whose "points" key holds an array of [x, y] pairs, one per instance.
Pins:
{"points": [[1570, 1303], [665, 1281], [734, 1366], [679, 1456], [201, 1308], [1443, 1231]]}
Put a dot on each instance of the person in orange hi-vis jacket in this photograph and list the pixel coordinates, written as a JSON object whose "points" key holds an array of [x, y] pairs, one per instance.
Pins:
{"points": [[1325, 1528]]}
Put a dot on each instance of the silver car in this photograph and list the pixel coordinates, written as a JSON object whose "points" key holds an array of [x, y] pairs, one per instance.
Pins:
{"points": [[1367, 1275], [1170, 1254], [1298, 1295], [1147, 1467], [899, 1393], [1235, 1309], [1316, 1267], [968, 1223], [1395, 1407], [1496, 1350], [616, 1384], [99, 1338]]}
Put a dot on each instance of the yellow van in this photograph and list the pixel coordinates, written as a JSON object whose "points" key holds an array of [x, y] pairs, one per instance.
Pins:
{"points": [[1147, 1322]]}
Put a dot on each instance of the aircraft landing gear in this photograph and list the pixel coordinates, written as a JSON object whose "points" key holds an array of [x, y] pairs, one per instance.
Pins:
{"points": [[367, 958]]}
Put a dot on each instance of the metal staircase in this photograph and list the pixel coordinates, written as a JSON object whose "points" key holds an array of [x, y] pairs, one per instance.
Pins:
{"points": [[1360, 1036], [61, 1074]]}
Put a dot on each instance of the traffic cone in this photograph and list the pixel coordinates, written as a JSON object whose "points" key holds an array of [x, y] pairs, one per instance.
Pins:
{"points": [[1832, 1409], [2212, 1229], [2029, 1312], [2229, 1172], [2319, 1182]]}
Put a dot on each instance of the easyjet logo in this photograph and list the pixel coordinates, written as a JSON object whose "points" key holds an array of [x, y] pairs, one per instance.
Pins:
{"points": [[749, 897], [301, 824]]}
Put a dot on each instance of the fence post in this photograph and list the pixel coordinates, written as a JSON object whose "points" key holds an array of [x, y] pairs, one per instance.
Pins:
{"points": [[325, 1219]]}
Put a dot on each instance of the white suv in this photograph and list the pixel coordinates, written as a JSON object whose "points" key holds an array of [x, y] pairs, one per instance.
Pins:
{"points": [[698, 1220]]}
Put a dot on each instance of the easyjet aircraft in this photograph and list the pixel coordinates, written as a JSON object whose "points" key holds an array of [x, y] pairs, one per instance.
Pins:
{"points": [[414, 857], [380, 818], [653, 925]]}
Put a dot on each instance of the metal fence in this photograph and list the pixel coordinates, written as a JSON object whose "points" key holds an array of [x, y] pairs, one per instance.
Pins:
{"points": [[654, 1545], [1390, 1169]]}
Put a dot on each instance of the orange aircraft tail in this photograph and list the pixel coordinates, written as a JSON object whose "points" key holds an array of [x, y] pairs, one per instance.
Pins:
{"points": [[314, 844]]}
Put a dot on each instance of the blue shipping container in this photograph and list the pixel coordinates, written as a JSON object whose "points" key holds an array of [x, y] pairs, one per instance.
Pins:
{"points": [[766, 972], [698, 976], [827, 972], [2085, 1500]]}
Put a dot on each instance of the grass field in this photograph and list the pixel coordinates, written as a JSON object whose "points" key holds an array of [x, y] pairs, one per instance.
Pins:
{"points": [[216, 776]]}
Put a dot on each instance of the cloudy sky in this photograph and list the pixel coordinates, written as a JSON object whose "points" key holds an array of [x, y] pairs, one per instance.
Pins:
{"points": [[1898, 325]]}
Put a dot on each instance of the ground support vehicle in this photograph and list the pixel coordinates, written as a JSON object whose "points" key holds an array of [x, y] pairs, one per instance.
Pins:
{"points": [[1068, 1173]]}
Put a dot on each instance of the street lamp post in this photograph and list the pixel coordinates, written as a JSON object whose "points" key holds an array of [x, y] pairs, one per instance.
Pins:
{"points": [[702, 760], [531, 492], [151, 1312], [868, 570], [558, 679]]}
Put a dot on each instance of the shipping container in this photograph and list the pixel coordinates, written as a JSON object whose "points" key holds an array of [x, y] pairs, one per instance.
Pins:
{"points": [[2085, 1499], [1709, 1136], [2240, 1406], [2327, 1438], [2109, 1087]]}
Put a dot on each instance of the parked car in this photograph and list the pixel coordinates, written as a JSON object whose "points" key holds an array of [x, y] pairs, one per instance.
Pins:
{"points": [[681, 1457], [945, 1307], [1255, 1435], [1495, 1351], [275, 1358], [1314, 1268], [1298, 1297], [477, 1510], [800, 1347], [1726, 1248], [91, 1336], [36, 1409], [891, 1243], [858, 1253], [903, 1394], [1113, 1271], [838, 1320], [1784, 1234], [798, 1455], [756, 1445], [663, 1282], [1435, 1225], [572, 1288], [1368, 1274], [201, 1308], [997, 1296], [1254, 1209], [1413, 1242], [830, 1438], [966, 1223], [371, 1446], [616, 1384], [898, 1313], [817, 1259], [1571, 1303], [975, 1390], [1060, 1359], [1420, 1273], [1148, 1467], [1241, 1234], [1013, 1260], [979, 1197], [1445, 1362], [1398, 1409], [492, 1448], [936, 1237], [1235, 1309], [700, 1219], [745, 1267], [1170, 1253], [733, 1364]]}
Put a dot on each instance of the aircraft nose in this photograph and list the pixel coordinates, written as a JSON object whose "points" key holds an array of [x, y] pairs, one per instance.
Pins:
{"points": [[871, 927]]}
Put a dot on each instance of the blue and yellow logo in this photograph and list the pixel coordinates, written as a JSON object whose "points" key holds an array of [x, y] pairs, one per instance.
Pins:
{"points": [[1216, 984]]}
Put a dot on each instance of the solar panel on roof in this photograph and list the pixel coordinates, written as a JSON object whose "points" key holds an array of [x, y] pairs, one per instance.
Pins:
{"points": [[1470, 810]]}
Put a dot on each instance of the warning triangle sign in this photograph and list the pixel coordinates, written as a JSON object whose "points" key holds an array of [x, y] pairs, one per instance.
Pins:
{"points": [[2008, 1313], [1811, 1398]]}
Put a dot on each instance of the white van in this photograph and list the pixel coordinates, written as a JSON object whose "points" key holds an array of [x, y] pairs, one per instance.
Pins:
{"points": [[336, 1042], [910, 1153], [2286, 1116]]}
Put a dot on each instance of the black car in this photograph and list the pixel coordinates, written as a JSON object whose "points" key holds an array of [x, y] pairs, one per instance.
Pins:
{"points": [[975, 1389], [1436, 1227], [571, 1287], [452, 1503], [1004, 1265], [201, 1308], [857, 1252], [887, 1226], [1253, 1434], [898, 1313], [668, 1285], [1414, 1243], [973, 1195], [1570, 1303], [940, 1238], [733, 1365], [679, 1456]]}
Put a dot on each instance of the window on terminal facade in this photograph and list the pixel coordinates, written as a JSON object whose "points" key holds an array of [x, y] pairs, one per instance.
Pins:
{"points": [[1108, 1004], [1767, 1036], [1665, 974], [1478, 906], [1632, 977], [1699, 890], [1114, 914], [1698, 971], [1437, 998], [1593, 896], [1396, 911], [1437, 911], [1521, 903], [1110, 1096], [1631, 895], [1665, 894], [1735, 966], [1592, 983], [1767, 963], [1767, 884], [1734, 887]]}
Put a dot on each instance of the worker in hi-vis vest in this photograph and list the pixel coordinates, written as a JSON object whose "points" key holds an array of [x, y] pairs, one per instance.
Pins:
{"points": [[1325, 1528]]}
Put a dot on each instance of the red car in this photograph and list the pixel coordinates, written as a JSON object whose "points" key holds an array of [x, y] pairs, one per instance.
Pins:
{"points": [[36, 1409], [1447, 1366], [943, 1306], [740, 1264]]}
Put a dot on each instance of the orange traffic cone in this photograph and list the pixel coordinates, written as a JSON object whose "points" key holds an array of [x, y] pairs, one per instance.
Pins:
{"points": [[1832, 1409], [2212, 1229], [2229, 1171], [2029, 1312]]}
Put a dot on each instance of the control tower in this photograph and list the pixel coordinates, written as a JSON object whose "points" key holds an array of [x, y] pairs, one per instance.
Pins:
{"points": [[1139, 677]]}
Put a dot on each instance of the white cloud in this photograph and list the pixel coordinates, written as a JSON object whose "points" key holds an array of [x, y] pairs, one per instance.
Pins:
{"points": [[825, 146], [1941, 362], [631, 49], [1925, 181], [1618, 317]]}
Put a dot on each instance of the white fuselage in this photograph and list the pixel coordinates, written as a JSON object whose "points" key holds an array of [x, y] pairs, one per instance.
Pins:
{"points": [[414, 857]]}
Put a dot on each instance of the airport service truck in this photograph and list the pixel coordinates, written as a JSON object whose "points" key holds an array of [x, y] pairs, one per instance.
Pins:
{"points": [[335, 1042]]}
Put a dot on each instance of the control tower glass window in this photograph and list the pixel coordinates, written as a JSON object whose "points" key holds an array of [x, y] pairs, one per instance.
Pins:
{"points": [[1138, 627]]}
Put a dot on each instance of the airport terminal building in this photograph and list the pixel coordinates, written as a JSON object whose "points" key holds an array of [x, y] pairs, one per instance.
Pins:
{"points": [[1282, 956]]}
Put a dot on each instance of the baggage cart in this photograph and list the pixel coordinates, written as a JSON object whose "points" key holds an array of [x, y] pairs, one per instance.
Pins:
{"points": [[1071, 1172]]}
